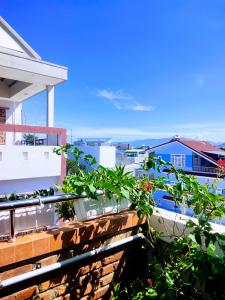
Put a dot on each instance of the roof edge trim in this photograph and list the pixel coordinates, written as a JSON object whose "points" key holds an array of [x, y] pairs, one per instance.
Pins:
{"points": [[19, 39]]}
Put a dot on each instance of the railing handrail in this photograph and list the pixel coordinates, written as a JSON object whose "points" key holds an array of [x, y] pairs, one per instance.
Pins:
{"points": [[15, 204], [205, 169], [11, 206]]}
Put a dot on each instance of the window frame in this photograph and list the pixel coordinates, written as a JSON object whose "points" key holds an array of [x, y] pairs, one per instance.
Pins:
{"points": [[178, 160]]}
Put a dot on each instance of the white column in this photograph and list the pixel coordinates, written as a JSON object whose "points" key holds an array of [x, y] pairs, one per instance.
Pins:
{"points": [[50, 106]]}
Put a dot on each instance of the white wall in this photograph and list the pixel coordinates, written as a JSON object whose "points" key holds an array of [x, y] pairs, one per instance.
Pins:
{"points": [[40, 162], [7, 41], [108, 156], [27, 185], [105, 155]]}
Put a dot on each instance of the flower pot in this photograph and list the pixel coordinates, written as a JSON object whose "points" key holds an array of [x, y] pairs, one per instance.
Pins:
{"points": [[87, 208]]}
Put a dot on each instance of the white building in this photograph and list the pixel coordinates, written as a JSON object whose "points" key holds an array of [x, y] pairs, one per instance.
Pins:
{"points": [[27, 166], [102, 149]]}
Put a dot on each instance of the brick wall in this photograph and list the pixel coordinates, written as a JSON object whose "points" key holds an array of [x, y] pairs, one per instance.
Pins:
{"points": [[92, 278]]}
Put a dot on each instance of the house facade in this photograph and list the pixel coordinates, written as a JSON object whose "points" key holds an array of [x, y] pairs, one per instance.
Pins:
{"points": [[27, 165], [198, 158], [194, 157]]}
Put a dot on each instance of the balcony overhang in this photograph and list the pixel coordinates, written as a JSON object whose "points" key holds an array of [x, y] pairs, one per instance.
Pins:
{"points": [[23, 77]]}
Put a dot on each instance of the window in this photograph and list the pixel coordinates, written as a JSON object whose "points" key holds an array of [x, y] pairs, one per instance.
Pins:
{"points": [[25, 155], [178, 160]]}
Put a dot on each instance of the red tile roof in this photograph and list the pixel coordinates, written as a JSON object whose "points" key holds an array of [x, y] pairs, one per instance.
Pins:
{"points": [[199, 146]]}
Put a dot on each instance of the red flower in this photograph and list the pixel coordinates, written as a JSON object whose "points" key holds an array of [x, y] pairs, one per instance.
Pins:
{"points": [[149, 187], [149, 282]]}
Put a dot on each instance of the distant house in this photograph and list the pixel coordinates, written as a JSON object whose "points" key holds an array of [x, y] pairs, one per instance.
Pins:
{"points": [[132, 157], [194, 157], [198, 158], [101, 149]]}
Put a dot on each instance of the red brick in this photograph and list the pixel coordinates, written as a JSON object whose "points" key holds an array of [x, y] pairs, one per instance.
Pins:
{"points": [[48, 260], [112, 258], [88, 268], [48, 295], [106, 279], [87, 289], [62, 289], [22, 295], [101, 292], [105, 270], [16, 271], [67, 297], [54, 282]]}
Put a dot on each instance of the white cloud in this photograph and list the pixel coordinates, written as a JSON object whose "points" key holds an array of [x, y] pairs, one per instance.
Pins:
{"points": [[211, 131], [216, 134], [112, 95], [122, 100], [139, 107], [119, 133]]}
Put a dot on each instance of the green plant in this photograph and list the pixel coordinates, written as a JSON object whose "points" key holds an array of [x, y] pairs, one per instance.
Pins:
{"points": [[187, 268], [30, 138], [115, 183], [192, 265], [65, 210], [19, 196]]}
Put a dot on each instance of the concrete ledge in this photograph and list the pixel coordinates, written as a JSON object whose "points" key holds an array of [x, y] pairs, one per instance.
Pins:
{"points": [[171, 223], [74, 233]]}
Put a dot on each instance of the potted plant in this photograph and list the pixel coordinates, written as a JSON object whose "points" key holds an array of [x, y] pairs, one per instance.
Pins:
{"points": [[102, 190]]}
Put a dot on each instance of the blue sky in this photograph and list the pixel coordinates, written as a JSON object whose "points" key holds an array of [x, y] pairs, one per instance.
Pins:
{"points": [[137, 68]]}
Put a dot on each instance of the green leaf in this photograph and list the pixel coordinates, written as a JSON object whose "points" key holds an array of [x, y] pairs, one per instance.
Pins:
{"points": [[125, 193], [211, 249], [169, 279], [91, 188], [198, 238]]}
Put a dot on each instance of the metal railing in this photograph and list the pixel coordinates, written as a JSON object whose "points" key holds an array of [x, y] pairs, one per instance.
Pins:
{"points": [[42, 135], [11, 206], [205, 169]]}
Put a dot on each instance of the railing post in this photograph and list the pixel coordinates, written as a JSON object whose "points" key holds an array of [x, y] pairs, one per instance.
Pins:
{"points": [[12, 233]]}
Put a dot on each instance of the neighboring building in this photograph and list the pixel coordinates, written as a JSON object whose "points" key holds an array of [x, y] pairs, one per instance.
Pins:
{"points": [[198, 158], [122, 146], [132, 156], [132, 159], [93, 142], [194, 157], [102, 149], [27, 166]]}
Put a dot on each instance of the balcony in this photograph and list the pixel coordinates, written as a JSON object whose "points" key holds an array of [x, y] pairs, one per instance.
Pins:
{"points": [[22, 158], [212, 170]]}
